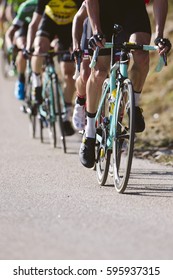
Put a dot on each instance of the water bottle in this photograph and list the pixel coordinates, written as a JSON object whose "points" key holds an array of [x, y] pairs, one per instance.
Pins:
{"points": [[112, 101]]}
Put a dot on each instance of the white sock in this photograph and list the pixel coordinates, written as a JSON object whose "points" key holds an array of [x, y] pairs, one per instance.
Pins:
{"points": [[36, 80], [90, 129], [137, 98]]}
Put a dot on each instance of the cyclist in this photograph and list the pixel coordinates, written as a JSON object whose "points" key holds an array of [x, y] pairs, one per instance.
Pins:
{"points": [[81, 32], [135, 21], [55, 18], [16, 35]]}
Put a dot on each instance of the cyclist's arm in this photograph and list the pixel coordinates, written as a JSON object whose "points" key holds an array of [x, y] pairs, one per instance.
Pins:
{"points": [[33, 26], [93, 13], [160, 9], [9, 35], [32, 29], [77, 26]]}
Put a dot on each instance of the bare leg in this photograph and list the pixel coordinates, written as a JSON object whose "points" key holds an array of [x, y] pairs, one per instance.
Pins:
{"points": [[67, 70], [20, 61], [140, 67], [138, 75], [79, 116], [41, 45], [95, 81]]}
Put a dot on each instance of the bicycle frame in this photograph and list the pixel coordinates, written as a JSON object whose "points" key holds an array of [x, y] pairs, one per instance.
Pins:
{"points": [[113, 84], [115, 80], [49, 75]]}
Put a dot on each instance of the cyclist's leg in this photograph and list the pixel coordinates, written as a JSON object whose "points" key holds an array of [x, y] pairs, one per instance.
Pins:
{"points": [[67, 70], [140, 66], [79, 108], [137, 25], [41, 45], [95, 81], [138, 75], [93, 89], [20, 42]]}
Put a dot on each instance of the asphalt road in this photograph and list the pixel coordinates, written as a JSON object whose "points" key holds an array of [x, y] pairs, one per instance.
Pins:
{"points": [[51, 207]]}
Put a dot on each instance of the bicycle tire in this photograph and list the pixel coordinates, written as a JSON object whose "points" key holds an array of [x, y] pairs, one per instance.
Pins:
{"points": [[32, 124], [41, 131], [123, 143], [60, 110], [52, 114], [31, 108], [52, 133], [103, 154]]}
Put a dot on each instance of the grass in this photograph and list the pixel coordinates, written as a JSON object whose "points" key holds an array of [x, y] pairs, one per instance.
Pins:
{"points": [[157, 102]]}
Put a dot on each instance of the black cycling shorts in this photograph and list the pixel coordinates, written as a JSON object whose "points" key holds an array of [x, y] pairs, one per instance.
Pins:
{"points": [[131, 14], [86, 35], [22, 31], [48, 28]]}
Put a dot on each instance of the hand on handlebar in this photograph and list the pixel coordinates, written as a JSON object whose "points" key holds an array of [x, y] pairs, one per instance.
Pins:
{"points": [[26, 53], [96, 40], [77, 55], [164, 47]]}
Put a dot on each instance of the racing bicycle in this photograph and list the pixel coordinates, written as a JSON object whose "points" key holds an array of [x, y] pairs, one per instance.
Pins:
{"points": [[115, 126]]}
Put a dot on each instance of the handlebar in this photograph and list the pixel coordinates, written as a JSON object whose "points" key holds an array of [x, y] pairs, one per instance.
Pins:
{"points": [[51, 53], [127, 46]]}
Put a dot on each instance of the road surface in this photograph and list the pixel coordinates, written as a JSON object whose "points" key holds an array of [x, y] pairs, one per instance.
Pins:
{"points": [[51, 207]]}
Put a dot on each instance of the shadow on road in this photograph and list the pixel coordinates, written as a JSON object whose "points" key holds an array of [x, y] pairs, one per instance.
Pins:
{"points": [[156, 183]]}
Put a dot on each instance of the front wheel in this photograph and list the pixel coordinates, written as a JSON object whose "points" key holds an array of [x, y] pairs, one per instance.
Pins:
{"points": [[123, 143]]}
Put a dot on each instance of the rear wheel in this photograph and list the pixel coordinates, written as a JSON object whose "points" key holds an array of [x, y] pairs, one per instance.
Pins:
{"points": [[60, 110], [52, 115], [33, 121], [31, 108], [123, 143], [52, 133], [41, 131], [103, 154]]}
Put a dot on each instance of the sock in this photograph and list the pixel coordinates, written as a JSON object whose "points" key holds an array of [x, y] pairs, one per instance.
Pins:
{"points": [[137, 98], [36, 79], [21, 77], [80, 100], [90, 129]]}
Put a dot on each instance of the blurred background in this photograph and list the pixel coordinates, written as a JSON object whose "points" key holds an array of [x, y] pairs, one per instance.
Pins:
{"points": [[157, 101]]}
